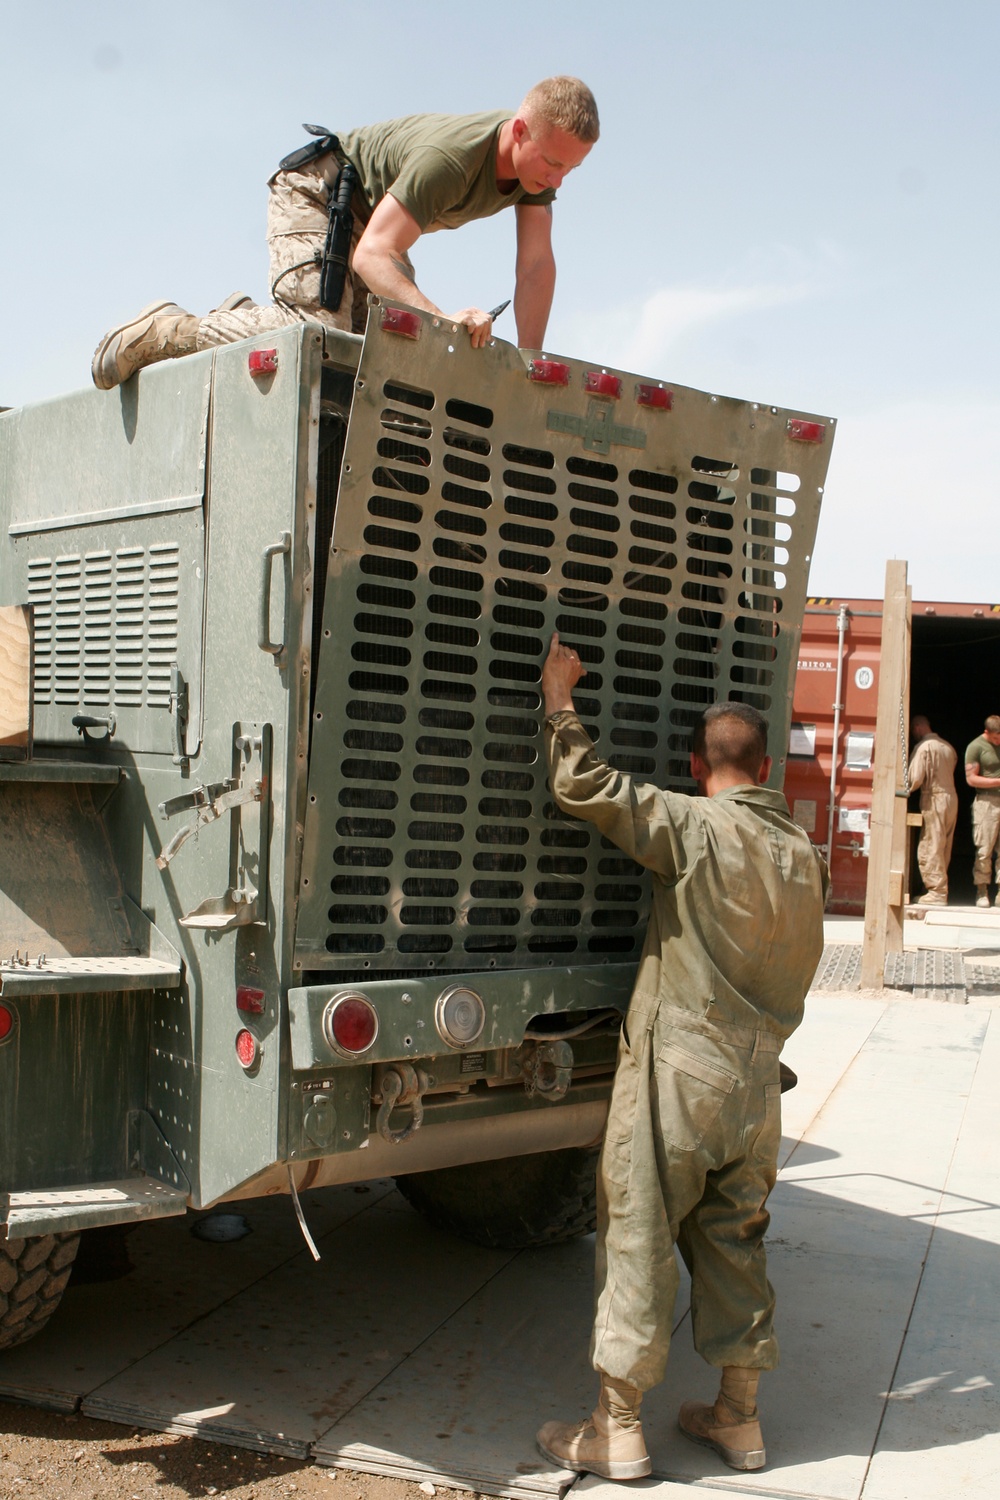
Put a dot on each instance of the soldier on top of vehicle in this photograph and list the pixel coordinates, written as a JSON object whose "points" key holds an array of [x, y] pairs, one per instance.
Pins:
{"points": [[344, 212]]}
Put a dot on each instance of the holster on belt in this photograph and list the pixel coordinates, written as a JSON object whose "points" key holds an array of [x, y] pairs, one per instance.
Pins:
{"points": [[336, 248]]}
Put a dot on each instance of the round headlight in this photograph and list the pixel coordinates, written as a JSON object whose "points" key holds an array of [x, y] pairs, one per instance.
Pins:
{"points": [[350, 1023], [459, 1016]]}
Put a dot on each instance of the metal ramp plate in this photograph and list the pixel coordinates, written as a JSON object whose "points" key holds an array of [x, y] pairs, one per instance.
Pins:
{"points": [[928, 973]]}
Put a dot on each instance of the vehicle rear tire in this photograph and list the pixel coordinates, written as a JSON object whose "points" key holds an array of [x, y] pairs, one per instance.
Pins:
{"points": [[33, 1277], [513, 1203]]}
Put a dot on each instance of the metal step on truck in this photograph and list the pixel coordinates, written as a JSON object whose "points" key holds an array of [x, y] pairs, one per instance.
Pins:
{"points": [[284, 898]]}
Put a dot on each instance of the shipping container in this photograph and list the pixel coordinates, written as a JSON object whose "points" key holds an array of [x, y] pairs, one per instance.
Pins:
{"points": [[954, 681]]}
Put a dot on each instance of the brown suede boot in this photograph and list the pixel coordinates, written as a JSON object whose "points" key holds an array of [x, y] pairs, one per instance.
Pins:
{"points": [[609, 1443], [161, 331], [732, 1425]]}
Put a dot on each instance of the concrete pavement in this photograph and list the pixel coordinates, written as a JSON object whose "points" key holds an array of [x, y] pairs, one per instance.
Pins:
{"points": [[407, 1352]]}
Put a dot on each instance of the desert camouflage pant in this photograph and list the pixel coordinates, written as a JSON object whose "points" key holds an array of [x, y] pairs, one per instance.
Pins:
{"points": [[986, 833], [939, 811], [297, 217], [689, 1158]]}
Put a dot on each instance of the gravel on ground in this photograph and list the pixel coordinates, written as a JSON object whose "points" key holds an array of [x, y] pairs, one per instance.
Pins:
{"points": [[54, 1456]]}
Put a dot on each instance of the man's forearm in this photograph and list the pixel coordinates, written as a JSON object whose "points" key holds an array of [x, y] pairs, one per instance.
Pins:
{"points": [[389, 274], [533, 303]]}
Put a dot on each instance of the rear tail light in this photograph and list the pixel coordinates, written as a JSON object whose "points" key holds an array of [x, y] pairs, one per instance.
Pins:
{"points": [[247, 1048], [395, 320], [249, 1000], [459, 1016], [600, 383], [350, 1024], [548, 372], [654, 396], [6, 1023], [806, 432], [263, 361]]}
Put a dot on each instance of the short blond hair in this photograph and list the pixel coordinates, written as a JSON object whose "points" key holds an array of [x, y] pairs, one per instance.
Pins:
{"points": [[565, 104]]}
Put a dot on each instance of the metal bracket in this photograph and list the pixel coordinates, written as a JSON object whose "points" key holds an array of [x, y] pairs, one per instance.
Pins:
{"points": [[247, 794]]}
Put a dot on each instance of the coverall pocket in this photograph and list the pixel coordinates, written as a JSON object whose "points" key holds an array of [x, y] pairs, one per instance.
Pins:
{"points": [[692, 1092], [616, 1155], [768, 1138]]}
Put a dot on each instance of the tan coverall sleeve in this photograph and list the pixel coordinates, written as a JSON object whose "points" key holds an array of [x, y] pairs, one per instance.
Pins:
{"points": [[653, 826], [918, 768]]}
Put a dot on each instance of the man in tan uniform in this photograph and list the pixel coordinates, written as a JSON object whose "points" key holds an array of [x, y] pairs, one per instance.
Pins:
{"points": [[932, 769], [413, 175], [690, 1150], [982, 771]]}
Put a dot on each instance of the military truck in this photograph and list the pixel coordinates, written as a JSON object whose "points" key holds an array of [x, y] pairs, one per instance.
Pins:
{"points": [[284, 897]]}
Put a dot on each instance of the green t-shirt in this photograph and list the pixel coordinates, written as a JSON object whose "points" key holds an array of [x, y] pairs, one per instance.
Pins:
{"points": [[441, 168], [984, 755]]}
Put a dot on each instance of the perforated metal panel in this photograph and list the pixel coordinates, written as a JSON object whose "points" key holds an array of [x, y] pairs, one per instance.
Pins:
{"points": [[478, 510]]}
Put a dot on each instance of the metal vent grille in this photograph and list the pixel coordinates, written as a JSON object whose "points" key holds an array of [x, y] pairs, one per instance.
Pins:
{"points": [[468, 527], [106, 626]]}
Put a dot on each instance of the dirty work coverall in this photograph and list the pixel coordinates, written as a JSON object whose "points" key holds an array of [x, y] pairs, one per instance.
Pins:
{"points": [[932, 769], [690, 1151]]}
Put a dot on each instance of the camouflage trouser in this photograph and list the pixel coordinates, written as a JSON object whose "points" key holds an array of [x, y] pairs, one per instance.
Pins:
{"points": [[939, 811], [986, 834], [689, 1158], [297, 217]]}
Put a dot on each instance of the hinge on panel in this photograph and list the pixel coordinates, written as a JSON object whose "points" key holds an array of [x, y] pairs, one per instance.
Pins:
{"points": [[245, 795]]}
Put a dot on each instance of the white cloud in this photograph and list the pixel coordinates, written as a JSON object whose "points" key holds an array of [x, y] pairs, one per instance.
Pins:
{"points": [[913, 480]]}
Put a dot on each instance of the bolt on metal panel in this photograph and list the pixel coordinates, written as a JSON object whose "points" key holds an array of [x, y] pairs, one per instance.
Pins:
{"points": [[480, 509]]}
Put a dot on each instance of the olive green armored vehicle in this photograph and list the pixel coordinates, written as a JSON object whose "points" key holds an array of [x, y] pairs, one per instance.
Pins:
{"points": [[284, 897]]}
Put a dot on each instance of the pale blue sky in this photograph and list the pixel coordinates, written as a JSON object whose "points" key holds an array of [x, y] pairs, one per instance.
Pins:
{"points": [[790, 202]]}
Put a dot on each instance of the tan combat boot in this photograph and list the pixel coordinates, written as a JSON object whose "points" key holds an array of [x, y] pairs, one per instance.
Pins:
{"points": [[161, 331], [609, 1443], [732, 1425]]}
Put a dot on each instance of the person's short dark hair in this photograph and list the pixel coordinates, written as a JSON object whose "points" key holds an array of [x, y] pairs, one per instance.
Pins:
{"points": [[731, 736], [992, 725]]}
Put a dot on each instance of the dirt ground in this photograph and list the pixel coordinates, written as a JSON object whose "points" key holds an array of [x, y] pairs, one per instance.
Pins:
{"points": [[50, 1455]]}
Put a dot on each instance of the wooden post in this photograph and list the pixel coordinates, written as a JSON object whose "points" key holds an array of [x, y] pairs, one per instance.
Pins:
{"points": [[886, 890], [15, 682]]}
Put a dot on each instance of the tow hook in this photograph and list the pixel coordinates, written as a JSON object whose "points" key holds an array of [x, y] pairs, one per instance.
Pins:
{"points": [[400, 1084], [547, 1068]]}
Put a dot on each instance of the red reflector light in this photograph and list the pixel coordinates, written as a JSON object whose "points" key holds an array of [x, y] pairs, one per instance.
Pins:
{"points": [[654, 396], [806, 432], [350, 1024], [395, 320], [600, 383], [6, 1023], [249, 1000], [548, 372], [246, 1048], [263, 361]]}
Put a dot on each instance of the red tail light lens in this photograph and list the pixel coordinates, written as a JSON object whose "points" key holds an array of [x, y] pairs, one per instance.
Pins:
{"points": [[395, 320], [263, 361], [350, 1024], [600, 383], [247, 1049], [654, 396], [548, 372], [6, 1022], [252, 1001], [806, 432]]}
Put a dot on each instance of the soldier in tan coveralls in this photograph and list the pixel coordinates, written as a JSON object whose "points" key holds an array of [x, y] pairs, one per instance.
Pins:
{"points": [[932, 769], [690, 1151], [414, 175]]}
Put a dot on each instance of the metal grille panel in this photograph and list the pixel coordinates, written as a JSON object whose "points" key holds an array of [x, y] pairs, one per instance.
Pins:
{"points": [[110, 619], [478, 511]]}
